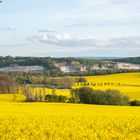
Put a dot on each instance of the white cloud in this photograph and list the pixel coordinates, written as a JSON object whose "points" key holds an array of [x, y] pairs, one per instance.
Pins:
{"points": [[46, 31], [68, 40], [88, 41]]}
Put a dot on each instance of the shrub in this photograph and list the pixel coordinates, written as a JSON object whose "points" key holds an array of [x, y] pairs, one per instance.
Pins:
{"points": [[55, 98], [74, 99], [62, 99], [135, 103], [83, 94], [109, 97], [81, 79]]}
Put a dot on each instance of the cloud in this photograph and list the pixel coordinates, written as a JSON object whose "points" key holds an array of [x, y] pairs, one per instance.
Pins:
{"points": [[46, 30], [127, 42], [7, 29], [103, 24], [67, 40]]}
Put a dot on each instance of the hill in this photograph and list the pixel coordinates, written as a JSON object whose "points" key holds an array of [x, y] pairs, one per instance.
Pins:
{"points": [[134, 60]]}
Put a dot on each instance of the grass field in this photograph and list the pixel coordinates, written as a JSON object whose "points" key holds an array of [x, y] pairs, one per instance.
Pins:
{"points": [[51, 121], [126, 83]]}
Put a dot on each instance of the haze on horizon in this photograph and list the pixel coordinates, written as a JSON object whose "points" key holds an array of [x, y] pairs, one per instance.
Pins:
{"points": [[61, 28]]}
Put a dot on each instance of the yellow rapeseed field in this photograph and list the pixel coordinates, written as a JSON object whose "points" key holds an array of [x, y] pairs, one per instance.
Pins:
{"points": [[126, 83], [12, 98], [52, 121]]}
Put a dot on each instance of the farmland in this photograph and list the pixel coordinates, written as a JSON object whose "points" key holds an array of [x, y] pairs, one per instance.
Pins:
{"points": [[128, 83], [57, 121], [70, 70], [32, 121]]}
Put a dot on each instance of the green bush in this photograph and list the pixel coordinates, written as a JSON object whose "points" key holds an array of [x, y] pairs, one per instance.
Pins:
{"points": [[62, 99], [135, 103], [74, 99], [109, 97], [56, 98]]}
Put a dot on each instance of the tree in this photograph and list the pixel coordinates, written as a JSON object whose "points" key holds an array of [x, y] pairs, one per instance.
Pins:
{"points": [[83, 94], [29, 96], [7, 84], [109, 97]]}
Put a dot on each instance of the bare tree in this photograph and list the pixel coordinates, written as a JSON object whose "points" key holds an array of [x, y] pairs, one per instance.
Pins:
{"points": [[7, 84]]}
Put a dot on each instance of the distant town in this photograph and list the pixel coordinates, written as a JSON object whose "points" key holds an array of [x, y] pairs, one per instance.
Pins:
{"points": [[72, 68]]}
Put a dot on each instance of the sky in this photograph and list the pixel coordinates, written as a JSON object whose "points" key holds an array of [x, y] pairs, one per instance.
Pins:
{"points": [[70, 28]]}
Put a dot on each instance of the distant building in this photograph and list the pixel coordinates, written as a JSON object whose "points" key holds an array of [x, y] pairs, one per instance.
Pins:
{"points": [[117, 65], [16, 68], [68, 69], [127, 66], [97, 67]]}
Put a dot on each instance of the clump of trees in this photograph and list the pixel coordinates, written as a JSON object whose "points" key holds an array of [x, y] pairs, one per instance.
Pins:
{"points": [[61, 82], [44, 97], [135, 103], [56, 98], [49, 98], [7, 84], [37, 79], [62, 99], [87, 95], [29, 95]]}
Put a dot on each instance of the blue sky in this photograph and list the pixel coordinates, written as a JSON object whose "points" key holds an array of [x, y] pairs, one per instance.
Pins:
{"points": [[70, 28]]}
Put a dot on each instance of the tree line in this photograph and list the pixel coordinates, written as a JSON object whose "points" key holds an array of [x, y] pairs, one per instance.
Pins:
{"points": [[135, 60], [51, 70], [84, 95]]}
